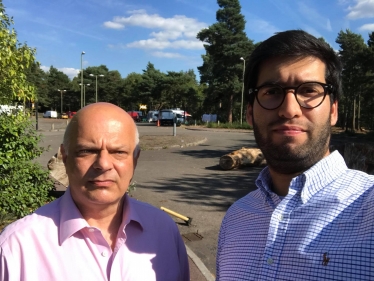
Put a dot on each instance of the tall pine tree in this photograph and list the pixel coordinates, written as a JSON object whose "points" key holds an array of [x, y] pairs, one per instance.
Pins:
{"points": [[225, 43]]}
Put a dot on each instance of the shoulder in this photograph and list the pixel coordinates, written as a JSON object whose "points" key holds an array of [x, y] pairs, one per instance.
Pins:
{"points": [[46, 216], [253, 202], [356, 182], [149, 214]]}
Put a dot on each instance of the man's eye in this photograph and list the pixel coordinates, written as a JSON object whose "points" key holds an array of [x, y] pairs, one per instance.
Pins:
{"points": [[86, 152], [272, 91]]}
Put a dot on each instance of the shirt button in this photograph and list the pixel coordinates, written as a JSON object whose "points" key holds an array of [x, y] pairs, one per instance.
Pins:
{"points": [[270, 261], [104, 254], [280, 217], [91, 230]]}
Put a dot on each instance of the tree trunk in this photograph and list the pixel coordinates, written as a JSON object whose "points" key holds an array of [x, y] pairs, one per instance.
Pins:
{"points": [[229, 112], [242, 157], [359, 113], [354, 115]]}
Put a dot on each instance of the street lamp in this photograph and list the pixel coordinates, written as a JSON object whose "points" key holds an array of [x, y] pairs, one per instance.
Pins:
{"points": [[82, 78], [100, 75], [241, 104], [84, 93], [61, 91]]}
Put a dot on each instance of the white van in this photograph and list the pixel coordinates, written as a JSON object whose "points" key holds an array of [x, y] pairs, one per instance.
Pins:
{"points": [[152, 116], [50, 114]]}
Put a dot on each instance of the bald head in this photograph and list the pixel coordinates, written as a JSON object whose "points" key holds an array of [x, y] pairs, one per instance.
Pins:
{"points": [[96, 114]]}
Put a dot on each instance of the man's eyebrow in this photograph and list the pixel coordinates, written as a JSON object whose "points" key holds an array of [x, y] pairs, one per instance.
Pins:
{"points": [[86, 146]]}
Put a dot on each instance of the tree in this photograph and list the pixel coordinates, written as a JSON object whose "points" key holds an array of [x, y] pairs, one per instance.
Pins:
{"points": [[24, 184], [131, 96], [15, 59], [352, 50], [37, 77], [56, 80], [150, 87], [225, 43]]}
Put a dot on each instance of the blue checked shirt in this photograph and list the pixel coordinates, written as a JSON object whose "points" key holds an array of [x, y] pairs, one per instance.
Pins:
{"points": [[322, 230]]}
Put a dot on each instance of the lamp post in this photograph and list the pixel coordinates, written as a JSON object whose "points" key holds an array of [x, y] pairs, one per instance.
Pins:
{"points": [[84, 93], [82, 78], [241, 104], [100, 75], [61, 91]]}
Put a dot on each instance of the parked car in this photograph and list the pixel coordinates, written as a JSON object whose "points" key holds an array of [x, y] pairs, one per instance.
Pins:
{"points": [[134, 115], [152, 116], [50, 114], [64, 116], [71, 114]]}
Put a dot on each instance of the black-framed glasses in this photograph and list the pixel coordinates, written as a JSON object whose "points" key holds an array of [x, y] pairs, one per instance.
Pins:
{"points": [[308, 94]]}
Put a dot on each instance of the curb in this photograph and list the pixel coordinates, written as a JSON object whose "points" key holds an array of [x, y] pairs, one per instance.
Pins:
{"points": [[200, 265], [179, 145], [218, 130]]}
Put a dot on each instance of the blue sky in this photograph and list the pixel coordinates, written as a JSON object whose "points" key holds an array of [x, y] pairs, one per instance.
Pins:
{"points": [[125, 35]]}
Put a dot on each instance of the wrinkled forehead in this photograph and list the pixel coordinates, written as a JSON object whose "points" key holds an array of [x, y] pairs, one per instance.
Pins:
{"points": [[99, 131]]}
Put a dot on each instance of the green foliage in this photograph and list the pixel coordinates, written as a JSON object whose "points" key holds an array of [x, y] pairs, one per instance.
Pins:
{"points": [[225, 43], [357, 104], [6, 219], [24, 184], [15, 59], [233, 125]]}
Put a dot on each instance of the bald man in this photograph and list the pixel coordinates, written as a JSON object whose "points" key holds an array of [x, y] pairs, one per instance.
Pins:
{"points": [[95, 231]]}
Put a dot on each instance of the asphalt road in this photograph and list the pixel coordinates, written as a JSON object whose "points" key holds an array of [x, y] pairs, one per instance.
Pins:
{"points": [[186, 180]]}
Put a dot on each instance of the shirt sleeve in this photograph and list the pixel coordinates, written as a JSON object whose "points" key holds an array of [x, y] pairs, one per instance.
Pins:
{"points": [[183, 259], [221, 239]]}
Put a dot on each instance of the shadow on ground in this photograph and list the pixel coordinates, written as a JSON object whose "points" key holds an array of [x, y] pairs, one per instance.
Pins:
{"points": [[218, 190]]}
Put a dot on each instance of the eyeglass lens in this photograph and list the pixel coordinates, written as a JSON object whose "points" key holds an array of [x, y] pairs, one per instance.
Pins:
{"points": [[308, 95]]}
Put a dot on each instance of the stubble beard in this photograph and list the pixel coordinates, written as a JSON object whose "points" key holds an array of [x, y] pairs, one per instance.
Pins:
{"points": [[286, 159]]}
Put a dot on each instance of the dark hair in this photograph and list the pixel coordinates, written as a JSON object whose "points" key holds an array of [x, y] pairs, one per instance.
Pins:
{"points": [[297, 44]]}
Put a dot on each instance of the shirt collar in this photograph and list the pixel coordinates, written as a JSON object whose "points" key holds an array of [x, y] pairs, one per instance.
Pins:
{"points": [[310, 182], [131, 213], [322, 174], [72, 221]]}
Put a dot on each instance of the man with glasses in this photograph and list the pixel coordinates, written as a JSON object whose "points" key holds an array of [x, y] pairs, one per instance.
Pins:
{"points": [[311, 217]]}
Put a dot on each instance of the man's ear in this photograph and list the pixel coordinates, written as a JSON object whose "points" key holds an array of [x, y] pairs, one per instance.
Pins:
{"points": [[334, 113], [136, 157], [249, 114], [63, 153]]}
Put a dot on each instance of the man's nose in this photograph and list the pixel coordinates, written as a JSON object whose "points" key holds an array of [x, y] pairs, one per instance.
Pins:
{"points": [[290, 108], [103, 161]]}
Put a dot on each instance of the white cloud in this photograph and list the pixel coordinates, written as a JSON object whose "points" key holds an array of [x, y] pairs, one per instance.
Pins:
{"points": [[178, 32], [69, 71], [362, 9], [113, 25], [44, 68], [159, 44], [167, 55], [367, 27]]}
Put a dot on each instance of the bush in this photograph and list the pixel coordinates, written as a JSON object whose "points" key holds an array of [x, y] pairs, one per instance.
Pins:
{"points": [[24, 184]]}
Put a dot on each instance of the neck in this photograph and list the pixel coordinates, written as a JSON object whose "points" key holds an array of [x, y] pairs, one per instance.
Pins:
{"points": [[281, 182], [107, 218]]}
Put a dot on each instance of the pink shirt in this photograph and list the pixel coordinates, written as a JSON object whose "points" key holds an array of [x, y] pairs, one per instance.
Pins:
{"points": [[56, 243]]}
